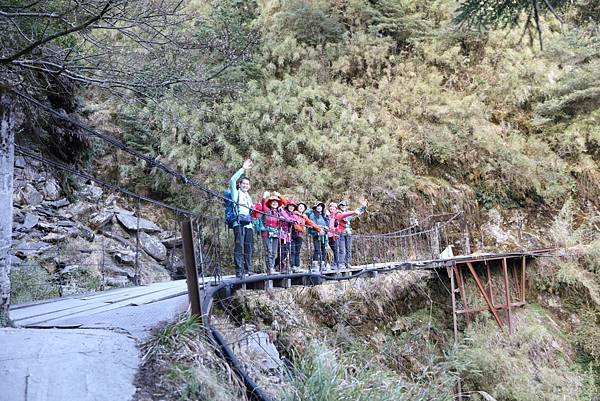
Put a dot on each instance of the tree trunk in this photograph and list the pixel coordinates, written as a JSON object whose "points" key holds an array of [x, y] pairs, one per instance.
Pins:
{"points": [[7, 136]]}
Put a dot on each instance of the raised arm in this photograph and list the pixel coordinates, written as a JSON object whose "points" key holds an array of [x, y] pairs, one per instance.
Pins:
{"points": [[235, 177]]}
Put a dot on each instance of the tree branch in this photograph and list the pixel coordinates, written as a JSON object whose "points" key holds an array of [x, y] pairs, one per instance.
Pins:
{"points": [[47, 39], [553, 11], [538, 24]]}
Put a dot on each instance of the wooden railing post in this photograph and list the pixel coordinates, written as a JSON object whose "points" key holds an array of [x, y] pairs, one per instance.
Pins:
{"points": [[191, 272]]}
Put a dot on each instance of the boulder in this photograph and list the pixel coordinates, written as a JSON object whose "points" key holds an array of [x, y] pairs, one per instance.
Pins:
{"points": [[72, 231], [86, 232], [44, 211], [120, 210], [91, 192], [44, 226], [151, 271], [51, 190], [70, 269], [65, 223], [124, 257], [100, 219], [59, 203], [131, 223], [35, 233], [77, 210], [153, 246], [257, 346], [20, 162], [53, 237], [24, 249], [18, 215], [30, 221], [119, 281], [31, 196], [172, 242], [113, 270]]}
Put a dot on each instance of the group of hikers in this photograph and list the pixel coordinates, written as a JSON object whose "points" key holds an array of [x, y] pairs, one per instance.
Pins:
{"points": [[283, 223]]}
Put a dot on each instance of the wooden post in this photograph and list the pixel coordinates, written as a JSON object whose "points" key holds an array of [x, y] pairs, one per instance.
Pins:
{"points": [[191, 272]]}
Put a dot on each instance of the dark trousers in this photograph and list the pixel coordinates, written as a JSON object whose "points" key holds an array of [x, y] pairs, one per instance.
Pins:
{"points": [[333, 244], [345, 249], [320, 251], [242, 252], [270, 245], [296, 248]]}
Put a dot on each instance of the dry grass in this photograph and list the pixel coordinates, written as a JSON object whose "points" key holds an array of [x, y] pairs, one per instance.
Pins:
{"points": [[535, 363], [180, 364]]}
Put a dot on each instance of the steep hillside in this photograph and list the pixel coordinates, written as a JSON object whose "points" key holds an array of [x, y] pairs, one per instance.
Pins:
{"points": [[389, 100]]}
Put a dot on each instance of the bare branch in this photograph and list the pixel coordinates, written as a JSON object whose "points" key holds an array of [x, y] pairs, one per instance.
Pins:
{"points": [[553, 11], [538, 24], [47, 39], [43, 15]]}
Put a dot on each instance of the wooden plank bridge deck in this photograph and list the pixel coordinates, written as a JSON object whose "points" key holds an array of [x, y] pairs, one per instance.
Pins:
{"points": [[139, 308]]}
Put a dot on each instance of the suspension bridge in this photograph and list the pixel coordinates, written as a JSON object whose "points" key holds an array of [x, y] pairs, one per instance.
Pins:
{"points": [[207, 249]]}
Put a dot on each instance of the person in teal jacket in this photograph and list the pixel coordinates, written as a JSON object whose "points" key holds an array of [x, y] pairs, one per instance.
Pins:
{"points": [[317, 214], [243, 229]]}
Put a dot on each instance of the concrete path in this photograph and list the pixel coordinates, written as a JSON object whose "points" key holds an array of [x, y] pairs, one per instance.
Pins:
{"points": [[65, 365], [83, 348]]}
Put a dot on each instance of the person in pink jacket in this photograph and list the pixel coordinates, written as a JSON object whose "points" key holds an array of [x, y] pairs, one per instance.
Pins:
{"points": [[337, 224]]}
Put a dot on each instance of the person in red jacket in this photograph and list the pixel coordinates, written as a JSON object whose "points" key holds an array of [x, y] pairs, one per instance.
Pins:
{"points": [[269, 226], [298, 233], [286, 212]]}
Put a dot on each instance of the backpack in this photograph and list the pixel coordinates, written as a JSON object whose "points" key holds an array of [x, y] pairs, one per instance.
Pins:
{"points": [[231, 210]]}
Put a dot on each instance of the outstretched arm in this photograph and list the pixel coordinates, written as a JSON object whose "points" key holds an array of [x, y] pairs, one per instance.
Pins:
{"points": [[235, 177], [312, 224]]}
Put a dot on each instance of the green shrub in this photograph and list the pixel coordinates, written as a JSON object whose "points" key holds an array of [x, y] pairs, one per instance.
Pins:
{"points": [[32, 283], [532, 364]]}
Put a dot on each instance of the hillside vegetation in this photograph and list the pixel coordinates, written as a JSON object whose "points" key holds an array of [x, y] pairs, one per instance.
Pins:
{"points": [[387, 99]]}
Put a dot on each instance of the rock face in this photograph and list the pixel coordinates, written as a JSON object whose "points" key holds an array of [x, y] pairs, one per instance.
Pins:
{"points": [[87, 243], [130, 222]]}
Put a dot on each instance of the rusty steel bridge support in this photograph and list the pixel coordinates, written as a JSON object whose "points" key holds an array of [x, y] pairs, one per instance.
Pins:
{"points": [[512, 288]]}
